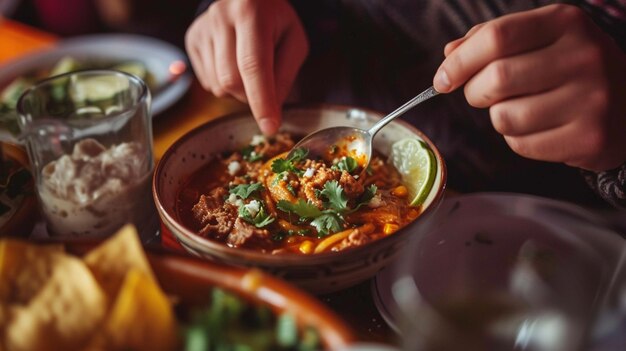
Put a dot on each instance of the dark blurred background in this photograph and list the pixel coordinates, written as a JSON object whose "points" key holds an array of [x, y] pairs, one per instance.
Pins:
{"points": [[164, 19]]}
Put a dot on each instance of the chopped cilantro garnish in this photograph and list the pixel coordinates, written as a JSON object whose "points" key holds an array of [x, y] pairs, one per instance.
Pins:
{"points": [[365, 198], [260, 220], [329, 222], [245, 190], [336, 198], [291, 189], [347, 164], [289, 165], [250, 155]]}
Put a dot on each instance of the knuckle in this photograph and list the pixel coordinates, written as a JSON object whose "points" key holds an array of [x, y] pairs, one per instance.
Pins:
{"points": [[249, 64], [501, 120], [229, 81], [500, 75], [205, 84], [474, 97], [497, 36], [453, 64], [243, 8], [219, 92], [569, 14]]}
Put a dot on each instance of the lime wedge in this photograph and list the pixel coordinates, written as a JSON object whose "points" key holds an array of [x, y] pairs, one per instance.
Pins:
{"points": [[417, 165]]}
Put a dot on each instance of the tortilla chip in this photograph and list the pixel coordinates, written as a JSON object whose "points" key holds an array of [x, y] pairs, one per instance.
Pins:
{"points": [[24, 269], [63, 314], [111, 260], [142, 317]]}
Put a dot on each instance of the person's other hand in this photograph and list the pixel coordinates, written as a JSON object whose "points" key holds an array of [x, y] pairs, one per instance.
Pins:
{"points": [[251, 50], [555, 85]]}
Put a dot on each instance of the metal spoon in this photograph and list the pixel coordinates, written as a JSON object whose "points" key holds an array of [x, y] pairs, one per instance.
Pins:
{"points": [[357, 140]]}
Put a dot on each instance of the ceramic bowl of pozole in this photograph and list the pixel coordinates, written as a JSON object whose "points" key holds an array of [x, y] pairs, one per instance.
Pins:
{"points": [[228, 194]]}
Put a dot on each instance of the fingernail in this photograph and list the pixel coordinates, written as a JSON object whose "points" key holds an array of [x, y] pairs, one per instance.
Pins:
{"points": [[267, 126], [442, 82]]}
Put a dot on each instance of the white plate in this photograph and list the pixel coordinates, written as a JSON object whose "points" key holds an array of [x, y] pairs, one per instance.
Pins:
{"points": [[158, 56], [477, 232]]}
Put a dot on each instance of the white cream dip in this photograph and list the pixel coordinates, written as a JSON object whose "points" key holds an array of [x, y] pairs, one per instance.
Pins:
{"points": [[96, 190]]}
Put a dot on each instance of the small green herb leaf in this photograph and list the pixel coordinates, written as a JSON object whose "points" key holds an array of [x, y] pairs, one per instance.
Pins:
{"points": [[299, 154], [288, 165], [336, 198], [260, 220], [347, 164], [329, 222], [245, 190], [250, 155], [365, 198]]}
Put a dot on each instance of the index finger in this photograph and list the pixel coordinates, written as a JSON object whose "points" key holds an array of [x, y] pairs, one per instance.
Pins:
{"points": [[502, 37], [255, 59]]}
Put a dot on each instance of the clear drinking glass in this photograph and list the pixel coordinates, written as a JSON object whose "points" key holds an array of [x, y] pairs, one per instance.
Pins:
{"points": [[89, 139], [516, 274]]}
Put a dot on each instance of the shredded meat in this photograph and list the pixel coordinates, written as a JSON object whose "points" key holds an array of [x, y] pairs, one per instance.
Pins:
{"points": [[356, 238], [216, 217], [243, 232], [350, 185], [322, 175]]}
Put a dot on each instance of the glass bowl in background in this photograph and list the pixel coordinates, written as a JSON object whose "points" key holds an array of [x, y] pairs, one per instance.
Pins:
{"points": [[508, 272], [89, 140]]}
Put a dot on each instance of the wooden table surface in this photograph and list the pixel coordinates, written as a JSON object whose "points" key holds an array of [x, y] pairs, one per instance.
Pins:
{"points": [[355, 304]]}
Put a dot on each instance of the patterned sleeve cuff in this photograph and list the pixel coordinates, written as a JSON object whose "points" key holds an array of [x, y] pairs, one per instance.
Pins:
{"points": [[204, 5], [610, 185]]}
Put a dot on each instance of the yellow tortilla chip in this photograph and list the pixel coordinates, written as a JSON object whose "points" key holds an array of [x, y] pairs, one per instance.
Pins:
{"points": [[24, 269], [142, 317], [111, 260], [62, 315]]}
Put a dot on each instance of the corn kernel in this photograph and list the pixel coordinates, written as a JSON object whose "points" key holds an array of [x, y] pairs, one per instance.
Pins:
{"points": [[390, 228], [400, 191], [306, 247]]}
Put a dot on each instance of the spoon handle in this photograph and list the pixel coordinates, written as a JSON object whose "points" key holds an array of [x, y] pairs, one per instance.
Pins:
{"points": [[423, 96]]}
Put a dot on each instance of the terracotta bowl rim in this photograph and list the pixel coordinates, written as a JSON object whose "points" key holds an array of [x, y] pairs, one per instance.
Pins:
{"points": [[265, 258], [252, 284]]}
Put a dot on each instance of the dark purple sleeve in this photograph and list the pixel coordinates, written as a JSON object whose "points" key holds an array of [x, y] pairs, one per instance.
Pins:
{"points": [[610, 185]]}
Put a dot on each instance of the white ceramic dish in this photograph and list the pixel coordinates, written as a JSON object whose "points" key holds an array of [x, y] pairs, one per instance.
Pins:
{"points": [[160, 58], [481, 234]]}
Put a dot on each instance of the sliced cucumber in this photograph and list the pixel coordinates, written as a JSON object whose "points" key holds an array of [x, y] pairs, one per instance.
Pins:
{"points": [[97, 89], [65, 65], [11, 94]]}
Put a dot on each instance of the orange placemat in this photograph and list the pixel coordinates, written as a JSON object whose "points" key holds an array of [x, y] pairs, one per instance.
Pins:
{"points": [[17, 39]]}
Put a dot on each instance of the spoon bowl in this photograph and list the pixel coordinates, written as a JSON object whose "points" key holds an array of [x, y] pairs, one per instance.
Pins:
{"points": [[354, 141]]}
